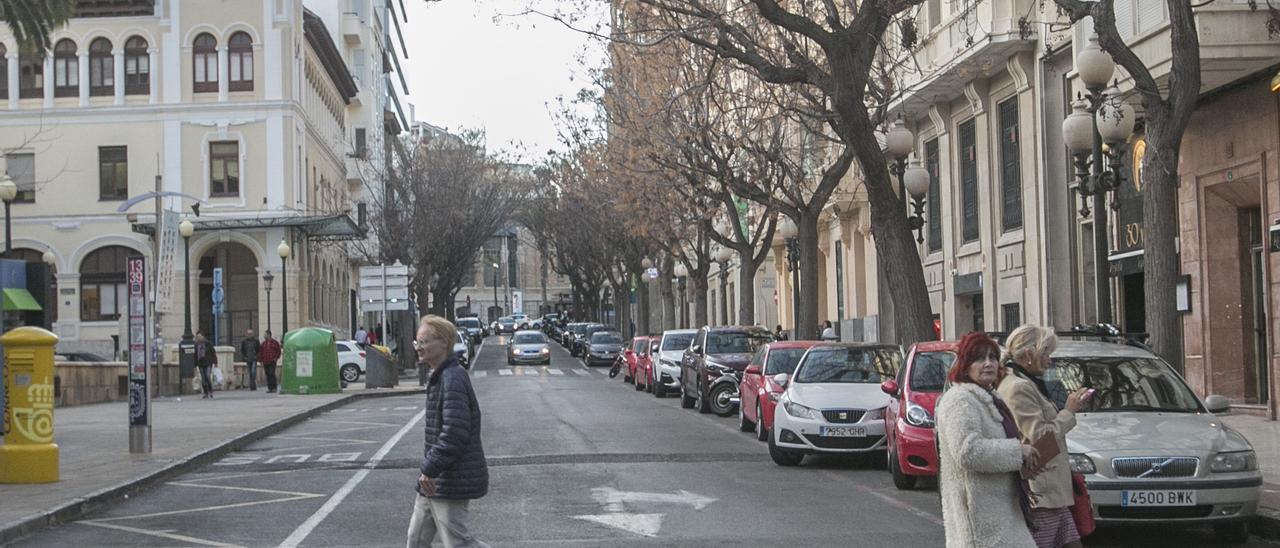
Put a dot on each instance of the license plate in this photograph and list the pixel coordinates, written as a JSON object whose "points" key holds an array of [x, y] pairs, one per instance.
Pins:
{"points": [[1158, 497], [842, 431]]}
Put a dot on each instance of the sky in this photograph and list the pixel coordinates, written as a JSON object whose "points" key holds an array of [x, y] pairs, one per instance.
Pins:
{"points": [[467, 70]]}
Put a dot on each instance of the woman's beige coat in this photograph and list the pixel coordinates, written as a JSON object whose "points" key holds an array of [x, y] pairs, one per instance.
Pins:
{"points": [[1035, 415]]}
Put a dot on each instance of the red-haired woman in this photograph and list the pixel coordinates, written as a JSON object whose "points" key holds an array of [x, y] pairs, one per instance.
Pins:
{"points": [[985, 501]]}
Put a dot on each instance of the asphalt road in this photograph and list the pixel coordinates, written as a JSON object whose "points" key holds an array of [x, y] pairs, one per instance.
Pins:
{"points": [[577, 459]]}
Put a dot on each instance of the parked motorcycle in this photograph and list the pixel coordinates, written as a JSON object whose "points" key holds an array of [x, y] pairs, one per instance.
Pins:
{"points": [[617, 367], [723, 394]]}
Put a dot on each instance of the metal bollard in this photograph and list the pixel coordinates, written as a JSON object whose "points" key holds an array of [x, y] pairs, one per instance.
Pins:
{"points": [[29, 454]]}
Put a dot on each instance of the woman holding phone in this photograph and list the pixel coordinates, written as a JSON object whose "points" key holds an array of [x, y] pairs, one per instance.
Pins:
{"points": [[1024, 390]]}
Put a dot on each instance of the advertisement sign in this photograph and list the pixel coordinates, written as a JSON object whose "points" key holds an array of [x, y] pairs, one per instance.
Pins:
{"points": [[517, 302], [137, 274]]}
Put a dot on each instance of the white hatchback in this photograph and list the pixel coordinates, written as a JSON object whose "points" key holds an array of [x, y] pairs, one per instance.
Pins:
{"points": [[833, 402], [350, 361]]}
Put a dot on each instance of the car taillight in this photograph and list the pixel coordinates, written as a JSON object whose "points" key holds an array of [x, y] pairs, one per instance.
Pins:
{"points": [[362, 354]]}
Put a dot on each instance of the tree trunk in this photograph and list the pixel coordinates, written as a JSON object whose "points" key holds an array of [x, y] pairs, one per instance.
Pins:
{"points": [[746, 288], [1160, 227], [807, 316], [642, 308], [668, 294], [699, 280]]}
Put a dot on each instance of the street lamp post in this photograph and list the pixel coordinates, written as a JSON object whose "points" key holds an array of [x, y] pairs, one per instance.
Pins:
{"points": [[682, 273], [495, 293], [913, 181], [267, 278], [186, 346], [283, 251], [1100, 116], [8, 192], [788, 230], [723, 256]]}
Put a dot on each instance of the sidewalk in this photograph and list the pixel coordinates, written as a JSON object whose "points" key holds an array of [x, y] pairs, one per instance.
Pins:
{"points": [[1265, 436], [97, 468]]}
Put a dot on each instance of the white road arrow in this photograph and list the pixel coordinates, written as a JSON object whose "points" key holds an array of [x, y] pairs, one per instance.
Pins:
{"points": [[613, 498], [641, 524]]}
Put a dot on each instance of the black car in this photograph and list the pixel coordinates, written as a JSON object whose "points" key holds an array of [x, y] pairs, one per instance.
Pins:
{"points": [[506, 324], [584, 336], [717, 351], [571, 331], [602, 348], [472, 327]]}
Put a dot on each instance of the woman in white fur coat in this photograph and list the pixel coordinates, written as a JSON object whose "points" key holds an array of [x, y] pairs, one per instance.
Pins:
{"points": [[984, 499]]}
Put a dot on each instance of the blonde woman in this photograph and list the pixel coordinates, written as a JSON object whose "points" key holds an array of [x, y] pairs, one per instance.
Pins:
{"points": [[1024, 390]]}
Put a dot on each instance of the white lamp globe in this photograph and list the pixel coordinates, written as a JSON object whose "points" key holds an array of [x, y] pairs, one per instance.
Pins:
{"points": [[899, 141], [48, 257], [681, 271], [1077, 129], [1115, 120], [917, 179], [283, 250], [646, 263], [724, 254], [186, 229], [787, 228], [1094, 66]]}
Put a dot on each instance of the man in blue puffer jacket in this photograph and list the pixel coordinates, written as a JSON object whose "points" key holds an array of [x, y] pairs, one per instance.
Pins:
{"points": [[453, 467]]}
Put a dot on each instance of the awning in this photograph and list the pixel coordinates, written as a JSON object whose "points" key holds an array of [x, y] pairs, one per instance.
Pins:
{"points": [[314, 227], [17, 298]]}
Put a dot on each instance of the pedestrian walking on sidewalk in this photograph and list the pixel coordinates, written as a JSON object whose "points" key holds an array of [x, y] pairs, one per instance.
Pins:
{"points": [[453, 470], [269, 354], [249, 352], [985, 501], [206, 357], [828, 332], [779, 334], [362, 336], [1024, 390]]}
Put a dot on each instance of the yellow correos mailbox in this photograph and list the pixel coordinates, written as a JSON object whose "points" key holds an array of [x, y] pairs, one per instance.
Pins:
{"points": [[29, 454]]}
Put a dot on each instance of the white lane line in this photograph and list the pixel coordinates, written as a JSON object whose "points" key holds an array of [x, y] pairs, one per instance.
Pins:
{"points": [[478, 374], [505, 372], [160, 534], [555, 372], [300, 534], [580, 373]]}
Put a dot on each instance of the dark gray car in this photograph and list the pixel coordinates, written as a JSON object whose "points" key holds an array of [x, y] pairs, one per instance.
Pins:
{"points": [[602, 348]]}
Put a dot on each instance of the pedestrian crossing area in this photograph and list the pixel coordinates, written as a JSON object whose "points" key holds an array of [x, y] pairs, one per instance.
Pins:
{"points": [[539, 371]]}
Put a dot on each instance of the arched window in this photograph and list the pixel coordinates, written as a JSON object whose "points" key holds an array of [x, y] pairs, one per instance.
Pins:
{"points": [[30, 75], [102, 68], [240, 62], [137, 67], [204, 57], [103, 291], [66, 69]]}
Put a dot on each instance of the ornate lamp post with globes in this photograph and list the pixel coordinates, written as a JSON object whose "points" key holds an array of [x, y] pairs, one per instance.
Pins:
{"points": [[267, 278], [186, 346], [723, 256], [284, 251], [8, 192], [788, 230], [682, 274]]}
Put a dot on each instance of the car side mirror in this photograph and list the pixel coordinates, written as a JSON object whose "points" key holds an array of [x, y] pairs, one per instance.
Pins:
{"points": [[781, 379], [653, 348], [890, 387], [696, 349], [752, 370], [1217, 404]]}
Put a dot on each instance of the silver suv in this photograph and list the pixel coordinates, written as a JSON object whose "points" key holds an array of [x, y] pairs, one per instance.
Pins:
{"points": [[1152, 451]]}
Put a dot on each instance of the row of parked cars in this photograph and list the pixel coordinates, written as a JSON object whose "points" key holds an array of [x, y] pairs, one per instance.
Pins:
{"points": [[1150, 450]]}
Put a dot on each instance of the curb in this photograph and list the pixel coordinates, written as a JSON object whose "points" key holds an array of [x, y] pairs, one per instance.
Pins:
{"points": [[111, 495], [1266, 524]]}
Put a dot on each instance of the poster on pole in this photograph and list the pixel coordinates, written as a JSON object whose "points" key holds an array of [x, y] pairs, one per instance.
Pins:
{"points": [[138, 404], [517, 302], [167, 232]]}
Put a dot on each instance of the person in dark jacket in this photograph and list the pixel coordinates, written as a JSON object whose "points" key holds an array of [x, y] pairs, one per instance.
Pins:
{"points": [[269, 354], [206, 357], [249, 353], [453, 470]]}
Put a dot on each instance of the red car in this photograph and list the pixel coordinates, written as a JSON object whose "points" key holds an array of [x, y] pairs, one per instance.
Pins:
{"points": [[757, 391], [642, 374], [631, 356], [908, 420]]}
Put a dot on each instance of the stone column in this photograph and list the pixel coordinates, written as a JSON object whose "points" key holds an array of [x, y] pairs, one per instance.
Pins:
{"points": [[153, 74], [14, 76], [82, 64], [118, 74], [48, 80], [224, 84]]}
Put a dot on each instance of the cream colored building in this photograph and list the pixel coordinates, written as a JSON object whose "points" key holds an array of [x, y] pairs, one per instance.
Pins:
{"points": [[243, 105]]}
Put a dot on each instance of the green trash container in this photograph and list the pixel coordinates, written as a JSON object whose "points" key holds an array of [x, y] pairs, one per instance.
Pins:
{"points": [[310, 362]]}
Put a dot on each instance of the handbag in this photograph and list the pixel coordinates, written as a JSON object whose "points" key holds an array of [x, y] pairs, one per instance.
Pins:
{"points": [[1081, 509], [217, 375]]}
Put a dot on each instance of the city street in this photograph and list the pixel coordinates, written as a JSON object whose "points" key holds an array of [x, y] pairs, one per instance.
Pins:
{"points": [[577, 459]]}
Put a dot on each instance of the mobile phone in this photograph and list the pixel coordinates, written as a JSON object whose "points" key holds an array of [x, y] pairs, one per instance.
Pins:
{"points": [[1088, 393]]}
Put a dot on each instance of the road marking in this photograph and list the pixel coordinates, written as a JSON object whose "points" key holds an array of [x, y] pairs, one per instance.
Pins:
{"points": [[612, 498], [300, 534], [478, 374], [645, 525], [555, 372], [504, 372], [161, 534], [580, 373]]}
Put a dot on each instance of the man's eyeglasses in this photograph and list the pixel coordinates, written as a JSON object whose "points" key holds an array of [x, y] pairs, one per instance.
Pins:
{"points": [[418, 345]]}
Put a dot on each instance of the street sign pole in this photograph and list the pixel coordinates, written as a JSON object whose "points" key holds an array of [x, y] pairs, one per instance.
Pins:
{"points": [[139, 381], [382, 337]]}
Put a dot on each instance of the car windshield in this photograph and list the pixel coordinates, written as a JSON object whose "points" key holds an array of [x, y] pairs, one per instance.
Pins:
{"points": [[606, 338], [639, 346], [468, 322], [737, 342], [871, 365], [677, 342], [579, 329], [929, 372], [783, 360], [507, 319], [1122, 384], [528, 338]]}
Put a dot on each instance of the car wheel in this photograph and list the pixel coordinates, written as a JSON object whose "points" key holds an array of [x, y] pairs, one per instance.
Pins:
{"points": [[761, 433], [702, 404], [783, 457], [686, 401], [744, 425], [719, 400], [900, 480], [1235, 532], [628, 377], [636, 381], [659, 389], [509, 362], [350, 372], [648, 385]]}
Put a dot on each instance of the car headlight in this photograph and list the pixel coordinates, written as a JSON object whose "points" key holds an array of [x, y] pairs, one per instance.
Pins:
{"points": [[874, 415], [666, 363], [799, 411], [1081, 464], [717, 368], [546, 350], [919, 416], [1235, 461]]}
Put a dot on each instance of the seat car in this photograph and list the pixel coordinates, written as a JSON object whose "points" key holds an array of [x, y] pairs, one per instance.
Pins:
{"points": [[506, 324], [350, 361], [1152, 452], [631, 356], [715, 352], [570, 331], [909, 419], [833, 402], [473, 328], [666, 368], [604, 346], [583, 336], [759, 392], [643, 374], [522, 321], [528, 346]]}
